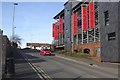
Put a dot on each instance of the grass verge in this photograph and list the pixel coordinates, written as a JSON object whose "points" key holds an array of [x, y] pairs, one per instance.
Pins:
{"points": [[77, 54]]}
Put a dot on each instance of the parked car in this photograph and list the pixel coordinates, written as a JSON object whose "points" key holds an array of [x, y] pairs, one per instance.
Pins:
{"points": [[45, 52]]}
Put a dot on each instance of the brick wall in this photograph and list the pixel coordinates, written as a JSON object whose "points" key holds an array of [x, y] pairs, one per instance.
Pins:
{"points": [[91, 46]]}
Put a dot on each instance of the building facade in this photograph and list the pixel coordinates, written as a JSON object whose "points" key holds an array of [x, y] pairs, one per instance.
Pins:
{"points": [[38, 46], [109, 29], [101, 39]]}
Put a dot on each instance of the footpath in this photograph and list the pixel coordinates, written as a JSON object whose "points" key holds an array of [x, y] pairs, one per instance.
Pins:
{"points": [[106, 66], [22, 67], [90, 61]]}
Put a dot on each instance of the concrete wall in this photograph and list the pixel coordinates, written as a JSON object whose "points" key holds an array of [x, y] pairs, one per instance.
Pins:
{"points": [[119, 32], [67, 24], [0, 54], [6, 52], [109, 49], [67, 17], [74, 3]]}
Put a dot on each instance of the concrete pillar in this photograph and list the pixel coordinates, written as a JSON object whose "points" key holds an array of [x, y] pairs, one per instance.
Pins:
{"points": [[82, 36], [94, 35], [87, 37]]}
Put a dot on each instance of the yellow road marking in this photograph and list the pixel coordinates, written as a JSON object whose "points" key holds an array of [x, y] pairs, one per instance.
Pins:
{"points": [[33, 68], [43, 75]]}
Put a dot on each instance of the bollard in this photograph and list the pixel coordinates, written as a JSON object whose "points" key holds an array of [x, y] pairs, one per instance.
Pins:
{"points": [[10, 67]]}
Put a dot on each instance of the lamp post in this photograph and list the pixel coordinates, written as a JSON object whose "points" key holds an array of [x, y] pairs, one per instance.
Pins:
{"points": [[13, 27]]}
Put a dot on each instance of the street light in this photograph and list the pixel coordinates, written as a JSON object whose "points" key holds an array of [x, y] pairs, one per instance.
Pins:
{"points": [[13, 27]]}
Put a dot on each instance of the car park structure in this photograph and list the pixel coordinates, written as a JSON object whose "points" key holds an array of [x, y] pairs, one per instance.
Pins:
{"points": [[92, 26]]}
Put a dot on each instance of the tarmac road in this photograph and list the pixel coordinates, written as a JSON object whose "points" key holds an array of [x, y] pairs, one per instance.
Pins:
{"points": [[62, 67]]}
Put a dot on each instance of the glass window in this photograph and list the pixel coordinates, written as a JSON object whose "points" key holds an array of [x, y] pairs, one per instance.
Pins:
{"points": [[106, 15], [111, 36]]}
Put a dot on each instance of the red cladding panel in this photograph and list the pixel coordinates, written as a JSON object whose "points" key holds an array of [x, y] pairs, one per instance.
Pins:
{"points": [[91, 15], [56, 32], [60, 25], [74, 23], [84, 18], [53, 30]]}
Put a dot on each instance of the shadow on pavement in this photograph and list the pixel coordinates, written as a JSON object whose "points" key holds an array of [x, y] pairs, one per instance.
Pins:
{"points": [[28, 50], [19, 59], [26, 74], [22, 68]]}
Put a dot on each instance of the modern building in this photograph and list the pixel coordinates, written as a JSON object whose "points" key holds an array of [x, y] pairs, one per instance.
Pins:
{"points": [[109, 22], [92, 26]]}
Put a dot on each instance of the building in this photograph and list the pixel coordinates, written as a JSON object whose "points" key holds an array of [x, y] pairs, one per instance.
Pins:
{"points": [[38, 46], [92, 26], [110, 31]]}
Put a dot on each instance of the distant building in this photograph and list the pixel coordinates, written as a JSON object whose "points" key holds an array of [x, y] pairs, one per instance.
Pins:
{"points": [[38, 45], [99, 34]]}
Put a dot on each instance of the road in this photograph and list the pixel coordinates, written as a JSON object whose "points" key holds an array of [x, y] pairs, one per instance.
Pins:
{"points": [[60, 67]]}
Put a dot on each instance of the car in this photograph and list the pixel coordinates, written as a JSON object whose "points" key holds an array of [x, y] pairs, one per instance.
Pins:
{"points": [[45, 52]]}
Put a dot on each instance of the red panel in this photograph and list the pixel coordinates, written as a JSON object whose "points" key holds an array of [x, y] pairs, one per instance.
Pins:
{"points": [[91, 15], [74, 23], [53, 29], [56, 32], [84, 18], [60, 25]]}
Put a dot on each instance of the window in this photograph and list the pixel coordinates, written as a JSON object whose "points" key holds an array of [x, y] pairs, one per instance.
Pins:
{"points": [[111, 36], [106, 15]]}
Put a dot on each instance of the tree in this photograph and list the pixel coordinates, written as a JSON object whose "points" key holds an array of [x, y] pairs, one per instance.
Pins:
{"points": [[16, 40]]}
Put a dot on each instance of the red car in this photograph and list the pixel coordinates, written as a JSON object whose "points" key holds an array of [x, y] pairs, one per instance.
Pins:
{"points": [[45, 52]]}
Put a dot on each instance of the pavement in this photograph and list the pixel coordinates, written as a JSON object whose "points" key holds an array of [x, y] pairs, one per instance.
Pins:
{"points": [[90, 61], [23, 68]]}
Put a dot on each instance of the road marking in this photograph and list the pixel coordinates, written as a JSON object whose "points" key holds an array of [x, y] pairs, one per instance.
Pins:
{"points": [[43, 73], [32, 67], [38, 70]]}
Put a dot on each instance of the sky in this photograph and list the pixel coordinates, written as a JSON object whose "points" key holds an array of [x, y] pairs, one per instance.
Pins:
{"points": [[33, 20]]}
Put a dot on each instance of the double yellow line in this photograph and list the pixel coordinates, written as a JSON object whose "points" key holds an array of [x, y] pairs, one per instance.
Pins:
{"points": [[42, 73], [38, 70]]}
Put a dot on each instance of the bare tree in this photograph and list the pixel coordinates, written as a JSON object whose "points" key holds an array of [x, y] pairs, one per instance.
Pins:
{"points": [[16, 39]]}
